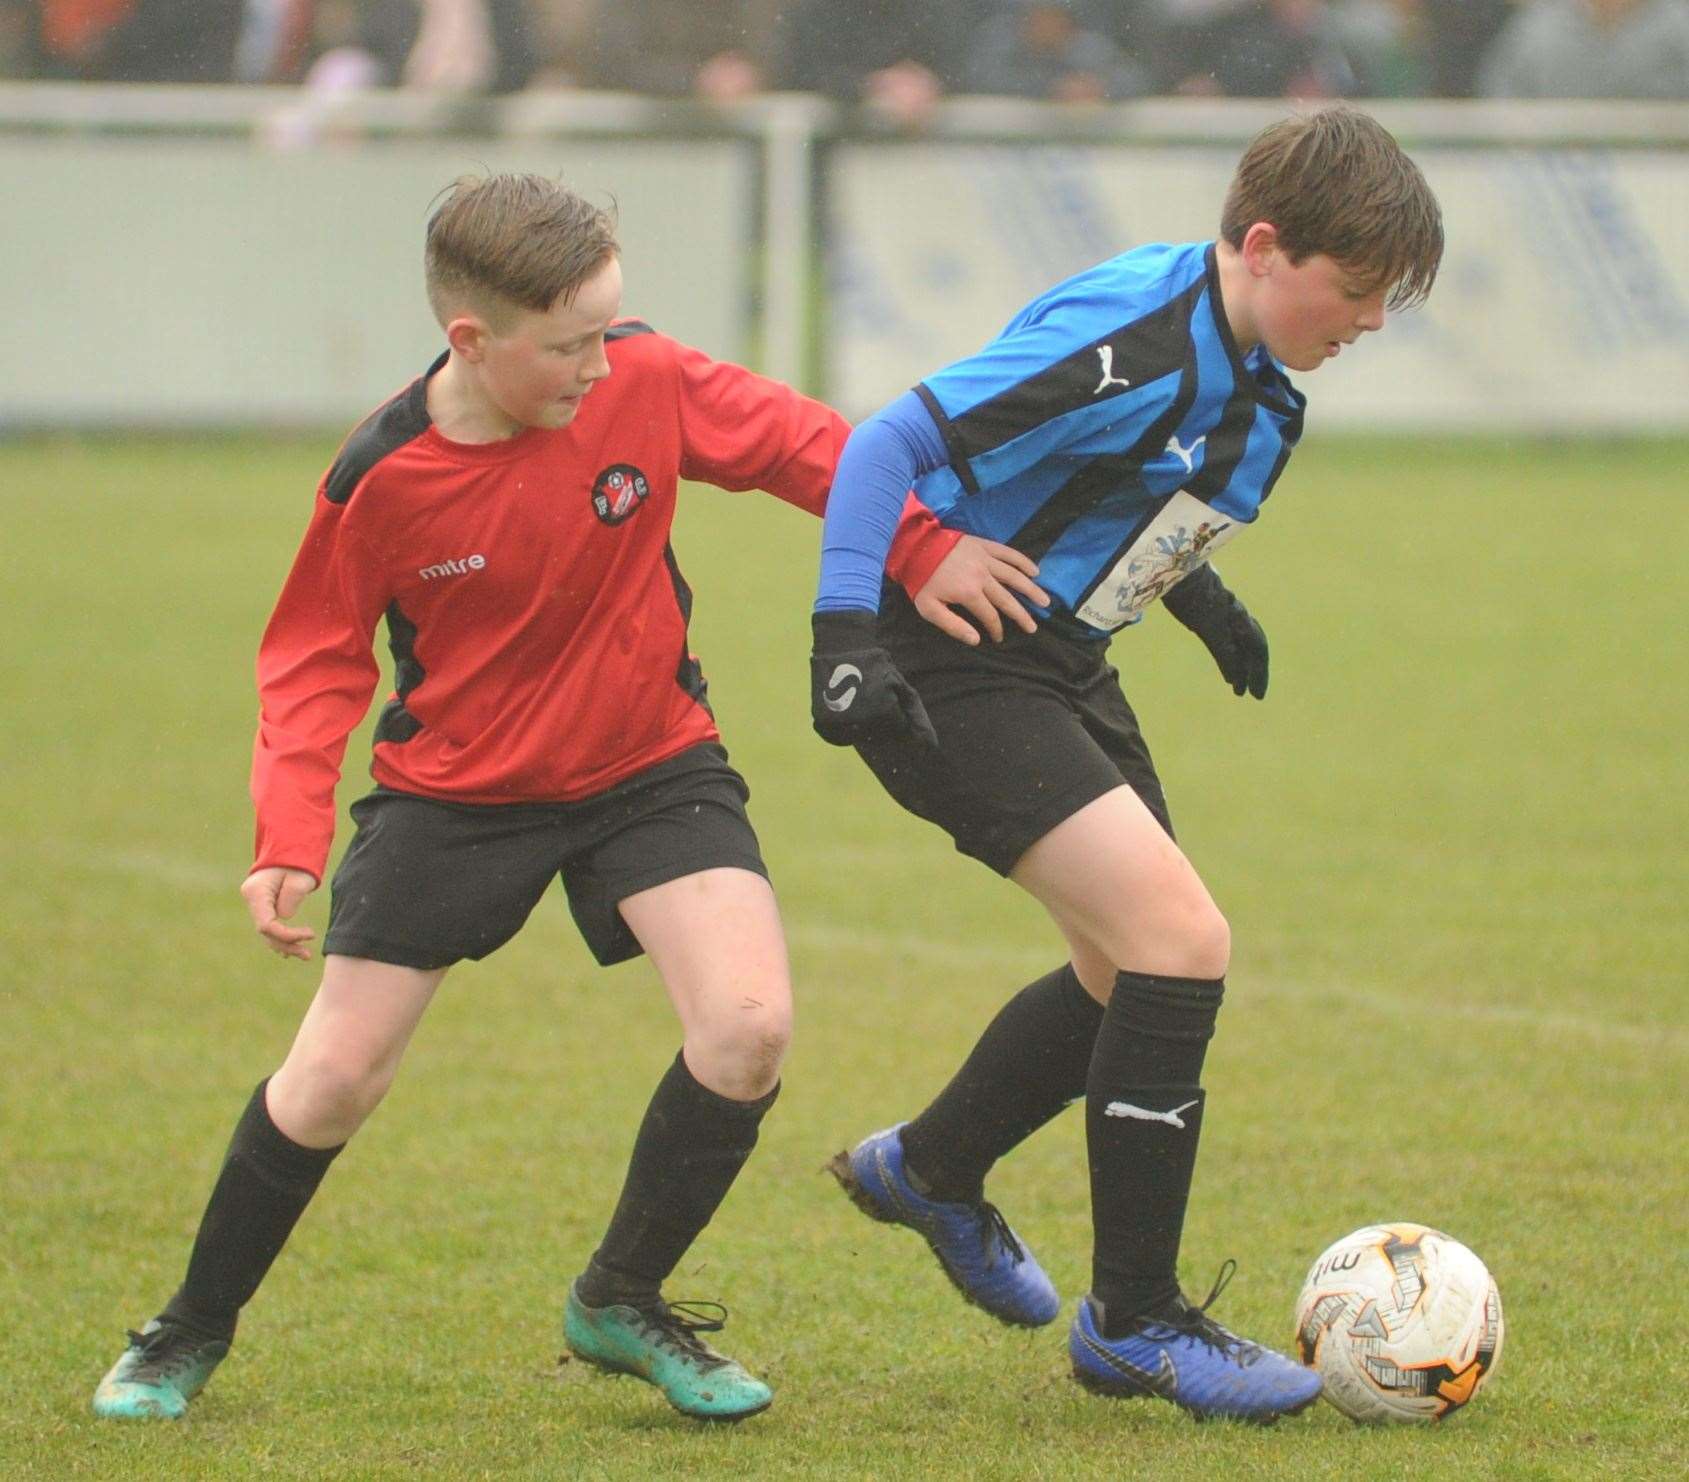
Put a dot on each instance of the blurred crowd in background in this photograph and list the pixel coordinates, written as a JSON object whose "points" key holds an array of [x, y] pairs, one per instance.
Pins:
{"points": [[893, 58]]}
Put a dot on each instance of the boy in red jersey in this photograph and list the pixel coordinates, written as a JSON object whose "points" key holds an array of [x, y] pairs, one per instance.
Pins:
{"points": [[508, 513]]}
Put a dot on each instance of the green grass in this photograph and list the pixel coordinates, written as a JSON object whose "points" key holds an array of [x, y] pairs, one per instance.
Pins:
{"points": [[1450, 845]]}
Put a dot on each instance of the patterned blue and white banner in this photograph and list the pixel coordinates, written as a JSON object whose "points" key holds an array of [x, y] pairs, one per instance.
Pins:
{"points": [[1563, 303]]}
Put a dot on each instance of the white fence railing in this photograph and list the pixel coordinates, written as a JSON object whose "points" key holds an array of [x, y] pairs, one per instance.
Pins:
{"points": [[252, 256]]}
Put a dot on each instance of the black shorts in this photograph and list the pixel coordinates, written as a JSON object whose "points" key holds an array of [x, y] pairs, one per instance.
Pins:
{"points": [[425, 884], [1030, 730]]}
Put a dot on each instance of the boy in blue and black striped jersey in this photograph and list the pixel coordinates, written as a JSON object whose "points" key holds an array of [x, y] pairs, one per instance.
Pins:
{"points": [[1120, 430], [1108, 406]]}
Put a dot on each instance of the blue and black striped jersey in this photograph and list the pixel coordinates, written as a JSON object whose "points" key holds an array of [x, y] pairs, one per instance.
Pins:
{"points": [[1113, 432]]}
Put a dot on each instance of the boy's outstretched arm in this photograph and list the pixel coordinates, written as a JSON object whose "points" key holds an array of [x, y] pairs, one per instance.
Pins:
{"points": [[744, 431]]}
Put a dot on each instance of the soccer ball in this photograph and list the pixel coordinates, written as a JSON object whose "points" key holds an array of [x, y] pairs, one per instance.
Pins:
{"points": [[1403, 1324]]}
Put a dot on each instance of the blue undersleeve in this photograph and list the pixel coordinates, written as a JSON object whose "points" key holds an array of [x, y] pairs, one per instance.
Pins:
{"points": [[883, 457]]}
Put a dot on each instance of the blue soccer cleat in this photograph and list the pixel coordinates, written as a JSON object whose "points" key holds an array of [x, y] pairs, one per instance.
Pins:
{"points": [[1181, 1354], [980, 1254]]}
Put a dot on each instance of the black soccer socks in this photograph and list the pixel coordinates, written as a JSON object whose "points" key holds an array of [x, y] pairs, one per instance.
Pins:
{"points": [[690, 1148], [266, 1182], [1032, 1060], [1143, 1117]]}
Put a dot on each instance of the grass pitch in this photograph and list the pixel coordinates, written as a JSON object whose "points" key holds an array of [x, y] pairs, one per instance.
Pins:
{"points": [[1450, 844]]}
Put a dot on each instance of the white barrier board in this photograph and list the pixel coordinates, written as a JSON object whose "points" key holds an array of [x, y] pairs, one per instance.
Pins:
{"points": [[192, 281], [1563, 302]]}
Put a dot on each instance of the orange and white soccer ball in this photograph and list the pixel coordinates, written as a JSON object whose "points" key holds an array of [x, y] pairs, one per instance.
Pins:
{"points": [[1403, 1324]]}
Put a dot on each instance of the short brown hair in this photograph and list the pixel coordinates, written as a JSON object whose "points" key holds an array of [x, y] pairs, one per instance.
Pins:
{"points": [[499, 243], [1335, 181]]}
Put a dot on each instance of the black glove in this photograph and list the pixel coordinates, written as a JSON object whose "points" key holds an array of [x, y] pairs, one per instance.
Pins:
{"points": [[1203, 604], [855, 690]]}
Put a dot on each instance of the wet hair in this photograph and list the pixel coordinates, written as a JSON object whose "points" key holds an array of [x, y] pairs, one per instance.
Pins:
{"points": [[498, 244], [1335, 181]]}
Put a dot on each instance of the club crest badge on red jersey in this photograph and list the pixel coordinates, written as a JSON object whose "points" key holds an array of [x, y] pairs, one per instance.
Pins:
{"points": [[618, 492]]}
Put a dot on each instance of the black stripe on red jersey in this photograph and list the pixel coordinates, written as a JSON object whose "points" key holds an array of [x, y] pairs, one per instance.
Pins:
{"points": [[389, 427], [688, 675], [627, 327], [396, 723]]}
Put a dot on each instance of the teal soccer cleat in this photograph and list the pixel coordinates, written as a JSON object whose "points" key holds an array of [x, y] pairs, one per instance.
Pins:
{"points": [[984, 1259], [660, 1344], [1179, 1353], [163, 1368]]}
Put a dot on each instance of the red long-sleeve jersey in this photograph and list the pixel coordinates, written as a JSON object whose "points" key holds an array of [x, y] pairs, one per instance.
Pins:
{"points": [[534, 607]]}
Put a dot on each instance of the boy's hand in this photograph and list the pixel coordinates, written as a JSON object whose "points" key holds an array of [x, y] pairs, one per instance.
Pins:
{"points": [[1204, 605], [981, 577], [855, 690], [272, 895]]}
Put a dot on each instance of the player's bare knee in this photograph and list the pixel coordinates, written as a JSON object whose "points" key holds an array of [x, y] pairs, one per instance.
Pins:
{"points": [[331, 1096], [1210, 944], [760, 1032], [1195, 940], [739, 1051], [1180, 933]]}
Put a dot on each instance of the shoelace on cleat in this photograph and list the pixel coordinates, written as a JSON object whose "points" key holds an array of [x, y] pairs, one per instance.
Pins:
{"points": [[992, 1221], [1195, 1321], [164, 1353], [678, 1324]]}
